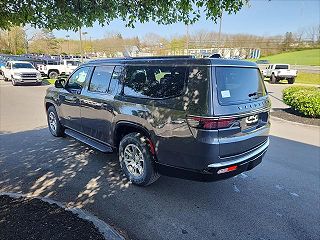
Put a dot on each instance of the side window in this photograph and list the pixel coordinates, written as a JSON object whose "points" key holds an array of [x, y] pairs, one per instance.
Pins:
{"points": [[154, 82], [78, 78], [116, 76], [100, 78]]}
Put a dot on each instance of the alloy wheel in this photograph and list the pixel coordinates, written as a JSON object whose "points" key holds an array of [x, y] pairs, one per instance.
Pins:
{"points": [[52, 121], [134, 160]]}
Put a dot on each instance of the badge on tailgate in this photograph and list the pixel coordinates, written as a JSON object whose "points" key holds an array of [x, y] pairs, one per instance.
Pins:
{"points": [[252, 119]]}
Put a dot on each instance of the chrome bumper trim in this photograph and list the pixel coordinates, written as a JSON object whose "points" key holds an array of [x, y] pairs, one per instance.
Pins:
{"points": [[252, 154]]}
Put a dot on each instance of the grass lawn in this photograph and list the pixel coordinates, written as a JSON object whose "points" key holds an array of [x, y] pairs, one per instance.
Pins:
{"points": [[49, 81], [308, 78], [309, 57], [305, 78]]}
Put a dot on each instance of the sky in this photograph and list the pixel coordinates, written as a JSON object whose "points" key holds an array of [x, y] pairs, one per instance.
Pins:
{"points": [[263, 17]]}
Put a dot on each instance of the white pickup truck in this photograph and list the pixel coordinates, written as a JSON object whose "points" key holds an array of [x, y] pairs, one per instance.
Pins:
{"points": [[19, 72], [53, 69], [277, 72]]}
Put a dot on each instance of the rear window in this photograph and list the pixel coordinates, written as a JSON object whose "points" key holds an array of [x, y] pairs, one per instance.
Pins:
{"points": [[282, 67], [236, 84]]}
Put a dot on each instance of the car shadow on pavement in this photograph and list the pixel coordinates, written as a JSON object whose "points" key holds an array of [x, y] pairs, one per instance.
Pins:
{"points": [[35, 163]]}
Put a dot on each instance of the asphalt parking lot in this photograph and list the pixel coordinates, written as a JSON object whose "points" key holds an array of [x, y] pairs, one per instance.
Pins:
{"points": [[277, 200]]}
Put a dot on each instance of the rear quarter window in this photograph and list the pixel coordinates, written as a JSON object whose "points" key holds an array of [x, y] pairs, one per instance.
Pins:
{"points": [[197, 97], [239, 84], [154, 81]]}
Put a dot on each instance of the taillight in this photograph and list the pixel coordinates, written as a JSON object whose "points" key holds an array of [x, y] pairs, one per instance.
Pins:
{"points": [[228, 169], [210, 123]]}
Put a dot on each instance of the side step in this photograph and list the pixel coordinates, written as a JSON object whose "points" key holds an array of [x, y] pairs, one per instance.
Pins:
{"points": [[89, 141]]}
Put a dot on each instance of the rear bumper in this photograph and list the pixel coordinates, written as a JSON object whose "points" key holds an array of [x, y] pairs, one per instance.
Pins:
{"points": [[285, 76], [245, 162]]}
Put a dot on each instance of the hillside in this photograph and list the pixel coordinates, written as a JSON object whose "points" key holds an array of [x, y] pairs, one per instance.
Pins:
{"points": [[306, 57]]}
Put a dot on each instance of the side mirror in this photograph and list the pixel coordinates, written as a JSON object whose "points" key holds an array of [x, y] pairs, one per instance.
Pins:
{"points": [[60, 83]]}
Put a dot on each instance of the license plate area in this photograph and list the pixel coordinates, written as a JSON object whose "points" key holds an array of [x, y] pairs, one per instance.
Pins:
{"points": [[254, 121]]}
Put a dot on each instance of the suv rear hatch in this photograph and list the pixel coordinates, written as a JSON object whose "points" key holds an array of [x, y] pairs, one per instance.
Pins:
{"points": [[240, 97]]}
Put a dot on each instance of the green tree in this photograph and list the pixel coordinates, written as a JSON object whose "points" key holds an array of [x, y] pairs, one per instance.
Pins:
{"points": [[12, 40], [71, 14], [288, 41], [45, 42]]}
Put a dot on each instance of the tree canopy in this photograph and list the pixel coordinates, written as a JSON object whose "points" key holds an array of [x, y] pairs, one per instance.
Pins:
{"points": [[71, 14]]}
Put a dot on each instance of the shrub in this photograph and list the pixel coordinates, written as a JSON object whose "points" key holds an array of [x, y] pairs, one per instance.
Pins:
{"points": [[305, 100]]}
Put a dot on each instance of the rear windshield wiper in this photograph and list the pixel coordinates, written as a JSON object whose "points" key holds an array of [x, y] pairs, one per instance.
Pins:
{"points": [[255, 94]]}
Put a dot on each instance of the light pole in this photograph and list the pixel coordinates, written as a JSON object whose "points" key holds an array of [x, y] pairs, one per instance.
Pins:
{"points": [[84, 35], [68, 37], [187, 28], [80, 37], [219, 36]]}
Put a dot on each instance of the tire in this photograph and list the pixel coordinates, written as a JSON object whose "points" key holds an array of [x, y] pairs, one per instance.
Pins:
{"points": [[14, 83], [6, 79], [55, 127], [273, 79], [291, 80], [139, 169], [53, 74]]}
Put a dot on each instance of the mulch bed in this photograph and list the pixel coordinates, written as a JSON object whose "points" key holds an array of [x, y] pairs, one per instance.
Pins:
{"points": [[28, 219], [291, 115]]}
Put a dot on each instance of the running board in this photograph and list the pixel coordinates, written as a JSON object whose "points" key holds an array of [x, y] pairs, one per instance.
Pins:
{"points": [[89, 141]]}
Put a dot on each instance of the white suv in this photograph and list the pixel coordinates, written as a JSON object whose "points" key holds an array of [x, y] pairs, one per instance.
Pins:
{"points": [[19, 72]]}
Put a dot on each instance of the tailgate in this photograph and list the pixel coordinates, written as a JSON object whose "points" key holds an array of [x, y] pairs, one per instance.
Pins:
{"points": [[248, 132], [286, 72], [241, 96]]}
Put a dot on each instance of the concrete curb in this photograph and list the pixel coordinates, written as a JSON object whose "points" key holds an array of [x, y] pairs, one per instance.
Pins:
{"points": [[106, 230], [296, 123]]}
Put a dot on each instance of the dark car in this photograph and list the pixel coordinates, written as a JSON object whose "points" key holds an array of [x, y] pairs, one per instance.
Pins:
{"points": [[201, 119], [262, 61]]}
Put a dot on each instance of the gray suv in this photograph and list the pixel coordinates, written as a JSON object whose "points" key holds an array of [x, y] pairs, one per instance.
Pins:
{"points": [[200, 119]]}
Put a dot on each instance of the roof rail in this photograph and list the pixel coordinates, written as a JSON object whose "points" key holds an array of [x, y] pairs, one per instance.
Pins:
{"points": [[163, 57]]}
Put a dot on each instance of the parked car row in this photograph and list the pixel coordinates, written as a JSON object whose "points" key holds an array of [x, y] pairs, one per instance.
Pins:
{"points": [[13, 69]]}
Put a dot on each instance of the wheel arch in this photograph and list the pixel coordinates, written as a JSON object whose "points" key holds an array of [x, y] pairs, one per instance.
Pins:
{"points": [[53, 70], [49, 103], [123, 128]]}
